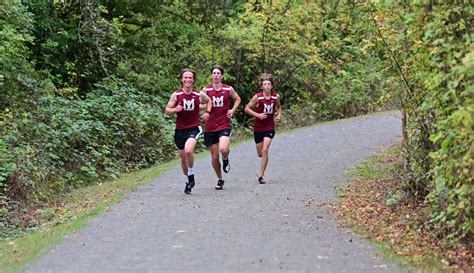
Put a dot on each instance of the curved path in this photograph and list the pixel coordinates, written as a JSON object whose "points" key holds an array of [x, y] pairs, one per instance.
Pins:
{"points": [[282, 226]]}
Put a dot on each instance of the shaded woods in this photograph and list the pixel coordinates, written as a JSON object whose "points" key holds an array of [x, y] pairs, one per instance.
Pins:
{"points": [[84, 84]]}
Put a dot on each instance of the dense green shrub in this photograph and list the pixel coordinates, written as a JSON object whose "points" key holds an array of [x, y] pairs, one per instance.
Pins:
{"points": [[449, 79], [74, 45], [433, 47], [69, 143]]}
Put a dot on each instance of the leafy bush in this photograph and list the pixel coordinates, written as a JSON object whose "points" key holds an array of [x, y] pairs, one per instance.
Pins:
{"points": [[449, 81], [69, 143], [432, 45]]}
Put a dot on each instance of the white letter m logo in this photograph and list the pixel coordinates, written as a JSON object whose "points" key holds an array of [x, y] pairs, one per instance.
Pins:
{"points": [[218, 101], [268, 108], [188, 105]]}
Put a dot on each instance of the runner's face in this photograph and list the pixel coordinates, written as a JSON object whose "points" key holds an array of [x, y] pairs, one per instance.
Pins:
{"points": [[216, 76], [267, 86], [187, 79]]}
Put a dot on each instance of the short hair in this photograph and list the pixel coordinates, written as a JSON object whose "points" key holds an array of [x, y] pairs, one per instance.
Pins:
{"points": [[187, 70], [265, 77], [221, 69]]}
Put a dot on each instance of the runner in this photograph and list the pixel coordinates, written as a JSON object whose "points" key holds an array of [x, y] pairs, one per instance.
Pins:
{"points": [[185, 103], [263, 106], [218, 129]]}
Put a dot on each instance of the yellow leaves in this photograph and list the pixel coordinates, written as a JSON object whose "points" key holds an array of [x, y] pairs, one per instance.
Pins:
{"points": [[368, 45], [314, 59]]}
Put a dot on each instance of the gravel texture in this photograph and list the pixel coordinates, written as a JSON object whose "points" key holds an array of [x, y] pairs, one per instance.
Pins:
{"points": [[282, 226]]}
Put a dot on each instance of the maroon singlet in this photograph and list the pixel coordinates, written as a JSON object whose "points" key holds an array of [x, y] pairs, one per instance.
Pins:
{"points": [[220, 99], [189, 117], [268, 107]]}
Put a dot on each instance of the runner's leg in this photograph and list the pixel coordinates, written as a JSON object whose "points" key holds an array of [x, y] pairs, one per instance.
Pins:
{"points": [[259, 148], [265, 145], [214, 149], [224, 143], [189, 152], [183, 161]]}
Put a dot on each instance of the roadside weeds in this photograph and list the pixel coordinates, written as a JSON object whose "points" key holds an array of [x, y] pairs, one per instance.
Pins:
{"points": [[375, 205]]}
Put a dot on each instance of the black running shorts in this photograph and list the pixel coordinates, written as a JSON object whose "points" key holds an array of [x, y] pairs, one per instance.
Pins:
{"points": [[258, 136], [182, 135], [213, 137]]}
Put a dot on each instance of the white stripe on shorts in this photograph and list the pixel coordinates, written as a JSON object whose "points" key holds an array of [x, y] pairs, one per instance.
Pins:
{"points": [[199, 134]]}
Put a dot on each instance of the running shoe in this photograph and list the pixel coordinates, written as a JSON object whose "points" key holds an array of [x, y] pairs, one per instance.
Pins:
{"points": [[220, 184], [261, 180], [225, 165], [189, 185]]}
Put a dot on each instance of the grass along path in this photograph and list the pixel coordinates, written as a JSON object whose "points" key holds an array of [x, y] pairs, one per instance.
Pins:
{"points": [[71, 214]]}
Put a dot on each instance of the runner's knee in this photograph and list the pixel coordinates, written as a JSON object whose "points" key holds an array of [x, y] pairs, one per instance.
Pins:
{"points": [[188, 152], [224, 150]]}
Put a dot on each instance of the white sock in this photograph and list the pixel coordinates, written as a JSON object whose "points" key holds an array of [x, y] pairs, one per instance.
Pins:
{"points": [[190, 171]]}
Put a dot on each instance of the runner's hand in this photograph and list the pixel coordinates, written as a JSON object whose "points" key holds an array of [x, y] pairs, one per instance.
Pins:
{"points": [[230, 113], [205, 116], [261, 116]]}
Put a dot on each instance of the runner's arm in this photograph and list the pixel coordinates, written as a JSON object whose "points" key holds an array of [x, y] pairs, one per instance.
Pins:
{"points": [[204, 100], [236, 99], [249, 108], [278, 108], [171, 107], [205, 104]]}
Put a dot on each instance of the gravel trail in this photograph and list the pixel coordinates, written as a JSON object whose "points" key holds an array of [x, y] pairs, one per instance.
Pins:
{"points": [[282, 226]]}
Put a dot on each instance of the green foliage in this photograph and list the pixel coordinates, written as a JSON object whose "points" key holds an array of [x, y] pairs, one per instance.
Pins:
{"points": [[6, 165], [449, 80], [83, 84], [167, 37], [435, 54], [17, 78], [74, 44], [318, 54], [69, 143]]}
